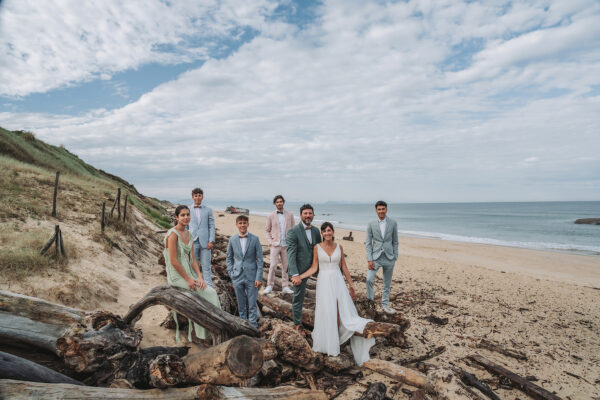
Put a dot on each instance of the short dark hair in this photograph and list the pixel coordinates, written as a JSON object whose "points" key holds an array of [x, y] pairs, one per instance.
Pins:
{"points": [[278, 197], [380, 203], [197, 190], [326, 225], [241, 218], [306, 207], [180, 208]]}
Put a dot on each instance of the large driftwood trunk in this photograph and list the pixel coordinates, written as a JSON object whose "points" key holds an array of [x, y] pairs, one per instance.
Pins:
{"points": [[206, 392], [18, 390], [220, 323], [229, 363], [36, 322], [13, 367]]}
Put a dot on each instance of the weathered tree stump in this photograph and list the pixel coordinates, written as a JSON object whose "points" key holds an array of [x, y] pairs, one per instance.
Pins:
{"points": [[231, 362]]}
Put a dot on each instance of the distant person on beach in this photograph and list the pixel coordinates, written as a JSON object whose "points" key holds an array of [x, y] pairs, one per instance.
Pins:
{"points": [[182, 268], [279, 222], [382, 252], [245, 267], [202, 228], [301, 240]]}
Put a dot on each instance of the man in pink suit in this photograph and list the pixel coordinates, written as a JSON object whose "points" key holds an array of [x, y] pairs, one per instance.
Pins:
{"points": [[279, 222]]}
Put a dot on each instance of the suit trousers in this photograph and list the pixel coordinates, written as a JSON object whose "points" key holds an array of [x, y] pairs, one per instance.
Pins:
{"points": [[278, 252], [246, 295], [388, 270], [203, 258], [297, 301]]}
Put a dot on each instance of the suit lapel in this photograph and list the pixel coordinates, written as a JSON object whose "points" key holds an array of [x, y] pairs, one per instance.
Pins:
{"points": [[388, 227]]}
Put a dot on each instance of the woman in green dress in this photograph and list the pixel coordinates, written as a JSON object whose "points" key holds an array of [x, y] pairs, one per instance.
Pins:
{"points": [[182, 268]]}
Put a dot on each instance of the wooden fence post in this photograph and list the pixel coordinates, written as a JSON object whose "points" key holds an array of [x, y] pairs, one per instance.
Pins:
{"points": [[61, 243], [55, 194], [48, 244], [125, 207], [119, 203], [57, 239], [103, 220]]}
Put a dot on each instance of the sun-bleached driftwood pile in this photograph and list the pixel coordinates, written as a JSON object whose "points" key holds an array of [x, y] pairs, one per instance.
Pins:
{"points": [[98, 354]]}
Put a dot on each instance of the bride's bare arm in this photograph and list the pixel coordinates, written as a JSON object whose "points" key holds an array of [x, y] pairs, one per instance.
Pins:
{"points": [[315, 265], [346, 273]]}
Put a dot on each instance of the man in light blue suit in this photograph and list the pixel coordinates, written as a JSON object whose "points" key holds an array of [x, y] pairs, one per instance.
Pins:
{"points": [[245, 267], [382, 252], [202, 230]]}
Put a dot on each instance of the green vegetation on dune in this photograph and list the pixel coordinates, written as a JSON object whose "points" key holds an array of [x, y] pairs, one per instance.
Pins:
{"points": [[27, 173]]}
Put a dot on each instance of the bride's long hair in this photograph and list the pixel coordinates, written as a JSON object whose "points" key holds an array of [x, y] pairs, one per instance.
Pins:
{"points": [[326, 225]]}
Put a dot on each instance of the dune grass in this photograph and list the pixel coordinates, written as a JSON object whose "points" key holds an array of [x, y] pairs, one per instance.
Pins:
{"points": [[20, 254]]}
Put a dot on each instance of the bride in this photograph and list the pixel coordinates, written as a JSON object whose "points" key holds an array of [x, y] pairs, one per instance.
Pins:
{"points": [[336, 319]]}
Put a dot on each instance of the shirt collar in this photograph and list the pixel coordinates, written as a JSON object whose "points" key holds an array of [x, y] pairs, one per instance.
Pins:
{"points": [[304, 225], [382, 220]]}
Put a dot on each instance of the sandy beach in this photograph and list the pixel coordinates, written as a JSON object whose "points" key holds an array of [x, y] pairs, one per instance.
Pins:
{"points": [[543, 304]]}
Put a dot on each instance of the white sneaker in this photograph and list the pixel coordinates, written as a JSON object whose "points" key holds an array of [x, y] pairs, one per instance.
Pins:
{"points": [[268, 290], [287, 290], [389, 310]]}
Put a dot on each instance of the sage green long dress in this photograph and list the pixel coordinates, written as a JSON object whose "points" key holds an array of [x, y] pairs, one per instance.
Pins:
{"points": [[184, 255]]}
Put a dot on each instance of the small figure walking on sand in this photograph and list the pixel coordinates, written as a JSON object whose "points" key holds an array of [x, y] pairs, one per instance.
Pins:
{"points": [[382, 252]]}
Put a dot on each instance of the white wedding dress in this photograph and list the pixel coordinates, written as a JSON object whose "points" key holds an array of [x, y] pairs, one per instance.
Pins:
{"points": [[332, 295]]}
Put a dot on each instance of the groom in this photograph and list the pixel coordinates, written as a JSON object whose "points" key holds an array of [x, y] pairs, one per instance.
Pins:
{"points": [[301, 240], [382, 252]]}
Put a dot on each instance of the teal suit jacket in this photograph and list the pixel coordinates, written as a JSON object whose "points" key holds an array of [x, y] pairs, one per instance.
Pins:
{"points": [[299, 250]]}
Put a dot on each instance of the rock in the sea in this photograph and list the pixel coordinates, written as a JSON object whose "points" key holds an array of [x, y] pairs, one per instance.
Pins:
{"points": [[589, 221]]}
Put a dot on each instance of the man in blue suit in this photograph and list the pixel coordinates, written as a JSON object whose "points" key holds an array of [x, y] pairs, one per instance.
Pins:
{"points": [[382, 252], [245, 267], [202, 230]]}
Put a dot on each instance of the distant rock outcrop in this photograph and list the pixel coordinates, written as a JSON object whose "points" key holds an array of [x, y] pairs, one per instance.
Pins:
{"points": [[589, 221]]}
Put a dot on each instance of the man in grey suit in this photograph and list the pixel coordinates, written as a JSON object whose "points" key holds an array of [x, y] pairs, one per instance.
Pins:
{"points": [[301, 240], [382, 252], [202, 230], [245, 267]]}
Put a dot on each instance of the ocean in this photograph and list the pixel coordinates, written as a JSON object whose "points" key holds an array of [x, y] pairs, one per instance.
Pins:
{"points": [[532, 225]]}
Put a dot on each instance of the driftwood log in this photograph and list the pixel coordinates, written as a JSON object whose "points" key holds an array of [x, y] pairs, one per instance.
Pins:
{"points": [[311, 282], [36, 322], [231, 362], [219, 323], [395, 371], [13, 367], [18, 390], [392, 332], [528, 387], [206, 392]]}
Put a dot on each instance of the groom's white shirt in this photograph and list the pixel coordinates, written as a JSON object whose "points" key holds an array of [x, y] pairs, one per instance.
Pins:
{"points": [[307, 232], [382, 226]]}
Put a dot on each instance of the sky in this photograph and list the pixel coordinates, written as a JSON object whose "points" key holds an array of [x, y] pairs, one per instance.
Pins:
{"points": [[407, 101]]}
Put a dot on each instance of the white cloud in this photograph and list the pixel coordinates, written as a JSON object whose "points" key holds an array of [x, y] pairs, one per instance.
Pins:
{"points": [[50, 44], [359, 105]]}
